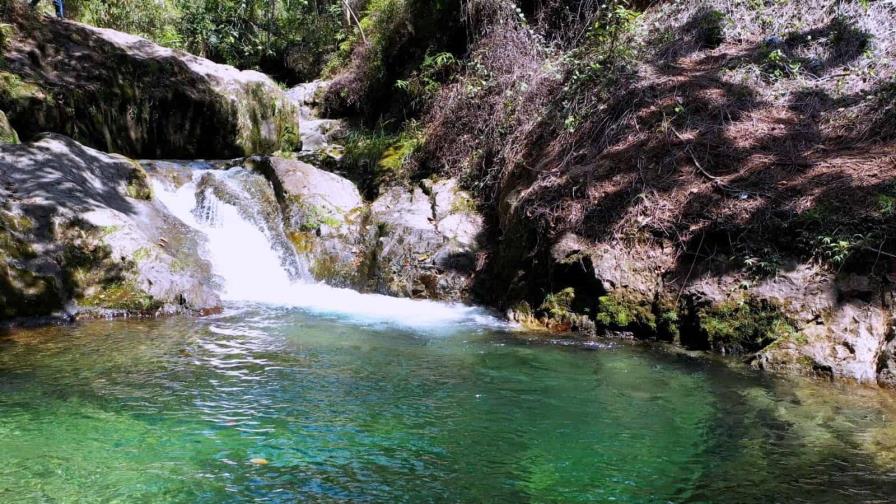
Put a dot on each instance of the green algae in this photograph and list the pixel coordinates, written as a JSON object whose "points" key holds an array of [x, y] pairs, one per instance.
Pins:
{"points": [[125, 295]]}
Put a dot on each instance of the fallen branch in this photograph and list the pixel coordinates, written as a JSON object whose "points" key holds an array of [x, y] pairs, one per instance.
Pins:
{"points": [[354, 16]]}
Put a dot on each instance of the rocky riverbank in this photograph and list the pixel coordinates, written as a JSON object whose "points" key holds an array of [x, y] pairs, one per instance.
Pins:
{"points": [[82, 235]]}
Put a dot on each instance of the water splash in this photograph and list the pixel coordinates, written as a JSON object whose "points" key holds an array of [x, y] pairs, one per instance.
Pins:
{"points": [[242, 246]]}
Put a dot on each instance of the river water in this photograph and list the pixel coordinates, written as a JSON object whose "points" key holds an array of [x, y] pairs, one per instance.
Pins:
{"points": [[303, 392], [276, 404]]}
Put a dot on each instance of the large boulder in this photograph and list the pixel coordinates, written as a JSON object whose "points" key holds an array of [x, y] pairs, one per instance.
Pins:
{"points": [[411, 242], [80, 226], [844, 325], [323, 216], [424, 241], [121, 93]]}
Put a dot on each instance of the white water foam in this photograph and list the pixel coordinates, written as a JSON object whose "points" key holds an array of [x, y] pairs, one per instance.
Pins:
{"points": [[242, 256]]}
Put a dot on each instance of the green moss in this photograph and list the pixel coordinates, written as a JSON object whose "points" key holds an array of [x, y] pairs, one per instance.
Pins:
{"points": [[12, 245], [308, 217], [616, 311], [463, 203], [668, 324], [262, 108], [24, 293], [13, 88], [331, 270], [558, 305], [302, 241], [138, 183], [7, 134], [743, 326], [141, 254], [392, 161], [122, 296]]}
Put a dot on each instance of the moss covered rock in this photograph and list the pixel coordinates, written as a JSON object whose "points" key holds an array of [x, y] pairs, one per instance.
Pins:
{"points": [[80, 225], [323, 216], [122, 93], [7, 134]]}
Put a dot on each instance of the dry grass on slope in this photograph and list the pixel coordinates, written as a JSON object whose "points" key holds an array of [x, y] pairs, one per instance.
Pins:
{"points": [[743, 125]]}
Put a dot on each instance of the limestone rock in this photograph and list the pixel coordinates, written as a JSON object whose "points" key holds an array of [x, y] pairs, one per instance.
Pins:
{"points": [[121, 93], [81, 225], [426, 244], [324, 217], [318, 135], [7, 134]]}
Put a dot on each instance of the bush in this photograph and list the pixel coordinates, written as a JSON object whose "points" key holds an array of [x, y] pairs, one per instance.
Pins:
{"points": [[290, 39]]}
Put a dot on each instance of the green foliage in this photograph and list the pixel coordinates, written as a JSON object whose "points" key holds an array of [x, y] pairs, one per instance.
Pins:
{"points": [[379, 21], [154, 19], [423, 84], [765, 262], [378, 157], [606, 45], [711, 28], [558, 305], [288, 38], [743, 326], [594, 67], [778, 65], [363, 151], [886, 204], [886, 200], [617, 311], [836, 249]]}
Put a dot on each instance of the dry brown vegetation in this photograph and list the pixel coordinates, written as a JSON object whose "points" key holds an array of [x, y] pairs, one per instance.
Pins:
{"points": [[761, 131]]}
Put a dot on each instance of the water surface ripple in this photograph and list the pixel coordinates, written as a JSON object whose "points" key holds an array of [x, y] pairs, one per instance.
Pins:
{"points": [[279, 405]]}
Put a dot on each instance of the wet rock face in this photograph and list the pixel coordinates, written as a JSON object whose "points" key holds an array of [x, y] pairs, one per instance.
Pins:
{"points": [[318, 134], [425, 241], [121, 93], [7, 134], [80, 232], [410, 242], [323, 217], [803, 320]]}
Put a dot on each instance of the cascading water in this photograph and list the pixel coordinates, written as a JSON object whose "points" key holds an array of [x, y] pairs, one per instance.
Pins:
{"points": [[256, 264]]}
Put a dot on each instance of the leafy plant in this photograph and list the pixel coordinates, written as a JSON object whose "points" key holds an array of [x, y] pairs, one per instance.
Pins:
{"points": [[779, 66], [423, 84], [837, 249]]}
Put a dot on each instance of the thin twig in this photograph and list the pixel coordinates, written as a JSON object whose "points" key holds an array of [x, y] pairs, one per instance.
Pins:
{"points": [[693, 263], [357, 21]]}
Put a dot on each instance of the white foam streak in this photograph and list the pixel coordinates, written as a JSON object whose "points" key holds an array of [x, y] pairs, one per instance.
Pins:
{"points": [[251, 271]]}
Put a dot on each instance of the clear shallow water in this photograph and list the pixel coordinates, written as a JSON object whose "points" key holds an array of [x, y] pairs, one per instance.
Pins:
{"points": [[175, 411]]}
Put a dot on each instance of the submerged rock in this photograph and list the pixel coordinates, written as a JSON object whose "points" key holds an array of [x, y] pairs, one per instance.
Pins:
{"points": [[80, 225], [121, 93]]}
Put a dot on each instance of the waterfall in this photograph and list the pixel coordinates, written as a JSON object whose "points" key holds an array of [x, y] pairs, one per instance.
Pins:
{"points": [[249, 253]]}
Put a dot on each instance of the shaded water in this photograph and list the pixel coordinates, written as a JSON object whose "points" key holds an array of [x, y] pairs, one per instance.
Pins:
{"points": [[176, 410]]}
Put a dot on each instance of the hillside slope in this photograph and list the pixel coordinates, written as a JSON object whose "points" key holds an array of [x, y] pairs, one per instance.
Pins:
{"points": [[719, 175]]}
